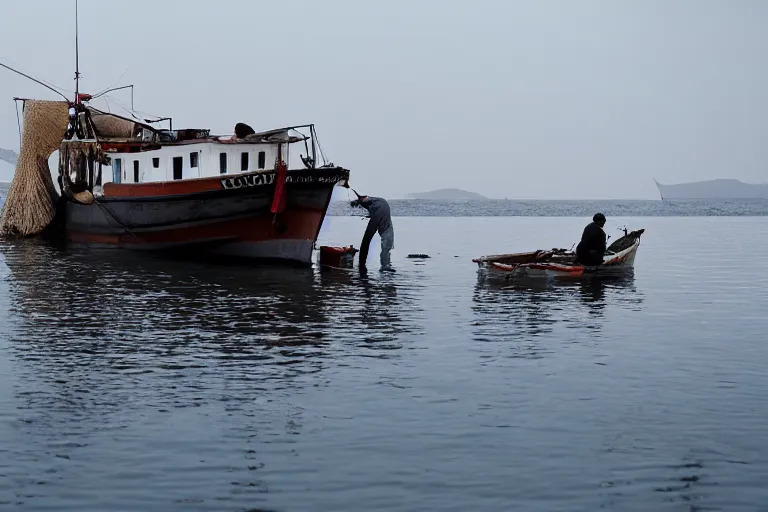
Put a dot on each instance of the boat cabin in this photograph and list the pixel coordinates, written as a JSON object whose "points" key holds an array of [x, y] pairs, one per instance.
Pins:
{"points": [[136, 152], [187, 161]]}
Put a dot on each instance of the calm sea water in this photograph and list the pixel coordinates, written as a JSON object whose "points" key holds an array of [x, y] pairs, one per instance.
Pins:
{"points": [[615, 208], [130, 382]]}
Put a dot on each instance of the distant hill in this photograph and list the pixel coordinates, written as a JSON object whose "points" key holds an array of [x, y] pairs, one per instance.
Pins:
{"points": [[714, 189], [446, 194], [6, 155]]}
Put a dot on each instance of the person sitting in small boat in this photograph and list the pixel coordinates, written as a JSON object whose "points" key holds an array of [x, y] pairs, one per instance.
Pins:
{"points": [[381, 221], [592, 247]]}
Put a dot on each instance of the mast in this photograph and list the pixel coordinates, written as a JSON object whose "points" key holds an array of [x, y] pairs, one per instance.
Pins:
{"points": [[77, 57]]}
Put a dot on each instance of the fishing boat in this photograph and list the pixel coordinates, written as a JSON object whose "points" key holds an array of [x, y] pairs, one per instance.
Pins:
{"points": [[130, 184], [561, 263], [136, 182]]}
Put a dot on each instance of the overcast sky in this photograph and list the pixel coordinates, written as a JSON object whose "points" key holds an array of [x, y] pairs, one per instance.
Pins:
{"points": [[546, 99]]}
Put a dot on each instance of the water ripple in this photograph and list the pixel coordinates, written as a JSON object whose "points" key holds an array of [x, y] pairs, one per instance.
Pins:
{"points": [[130, 381]]}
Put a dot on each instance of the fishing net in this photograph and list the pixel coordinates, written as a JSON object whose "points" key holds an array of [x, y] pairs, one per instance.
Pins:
{"points": [[30, 205], [111, 126]]}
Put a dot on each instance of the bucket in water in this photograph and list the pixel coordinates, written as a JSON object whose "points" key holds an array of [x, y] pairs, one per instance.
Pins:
{"points": [[341, 257]]}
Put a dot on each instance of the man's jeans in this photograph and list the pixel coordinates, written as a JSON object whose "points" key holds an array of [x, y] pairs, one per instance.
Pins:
{"points": [[387, 244]]}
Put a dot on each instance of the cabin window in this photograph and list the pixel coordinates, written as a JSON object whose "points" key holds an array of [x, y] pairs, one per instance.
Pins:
{"points": [[262, 159], [244, 161], [117, 170], [135, 171], [222, 163], [193, 159], [156, 163], [178, 165]]}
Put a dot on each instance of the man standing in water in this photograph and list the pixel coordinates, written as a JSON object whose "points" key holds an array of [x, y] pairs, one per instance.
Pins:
{"points": [[592, 247], [381, 221]]}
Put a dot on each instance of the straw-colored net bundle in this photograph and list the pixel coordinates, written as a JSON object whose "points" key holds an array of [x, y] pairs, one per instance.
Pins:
{"points": [[30, 205], [111, 126]]}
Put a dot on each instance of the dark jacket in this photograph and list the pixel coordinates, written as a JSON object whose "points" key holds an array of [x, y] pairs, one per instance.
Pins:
{"points": [[380, 220], [593, 243]]}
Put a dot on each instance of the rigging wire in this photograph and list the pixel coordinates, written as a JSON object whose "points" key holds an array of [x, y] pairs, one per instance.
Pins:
{"points": [[112, 89], [18, 121], [40, 82], [145, 115], [124, 108], [111, 86], [104, 97], [62, 90], [320, 148]]}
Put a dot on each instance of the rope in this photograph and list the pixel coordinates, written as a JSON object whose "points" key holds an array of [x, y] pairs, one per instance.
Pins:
{"points": [[127, 230]]}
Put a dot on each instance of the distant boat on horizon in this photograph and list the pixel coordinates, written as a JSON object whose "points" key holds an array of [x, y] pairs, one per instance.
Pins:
{"points": [[726, 188]]}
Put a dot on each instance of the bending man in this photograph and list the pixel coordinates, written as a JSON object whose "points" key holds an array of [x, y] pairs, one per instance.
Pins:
{"points": [[381, 221], [591, 249]]}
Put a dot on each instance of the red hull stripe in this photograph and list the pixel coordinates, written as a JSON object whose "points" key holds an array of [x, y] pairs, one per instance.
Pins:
{"points": [[164, 188], [316, 177]]}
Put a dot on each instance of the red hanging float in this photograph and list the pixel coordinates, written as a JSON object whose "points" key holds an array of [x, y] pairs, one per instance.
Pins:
{"points": [[279, 199]]}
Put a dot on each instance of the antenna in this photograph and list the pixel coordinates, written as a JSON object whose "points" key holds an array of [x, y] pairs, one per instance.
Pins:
{"points": [[77, 57]]}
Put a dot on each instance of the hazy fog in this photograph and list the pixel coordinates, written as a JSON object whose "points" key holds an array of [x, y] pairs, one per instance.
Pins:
{"points": [[534, 99]]}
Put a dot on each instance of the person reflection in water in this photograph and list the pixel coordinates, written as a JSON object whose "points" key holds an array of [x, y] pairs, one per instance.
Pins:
{"points": [[381, 221], [592, 247]]}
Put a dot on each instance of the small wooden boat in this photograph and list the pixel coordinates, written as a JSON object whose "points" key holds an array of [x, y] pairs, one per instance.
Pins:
{"points": [[561, 263]]}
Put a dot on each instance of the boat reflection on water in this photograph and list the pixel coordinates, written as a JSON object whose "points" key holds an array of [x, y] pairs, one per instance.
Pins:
{"points": [[519, 312], [136, 331], [368, 305], [103, 341], [134, 313]]}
